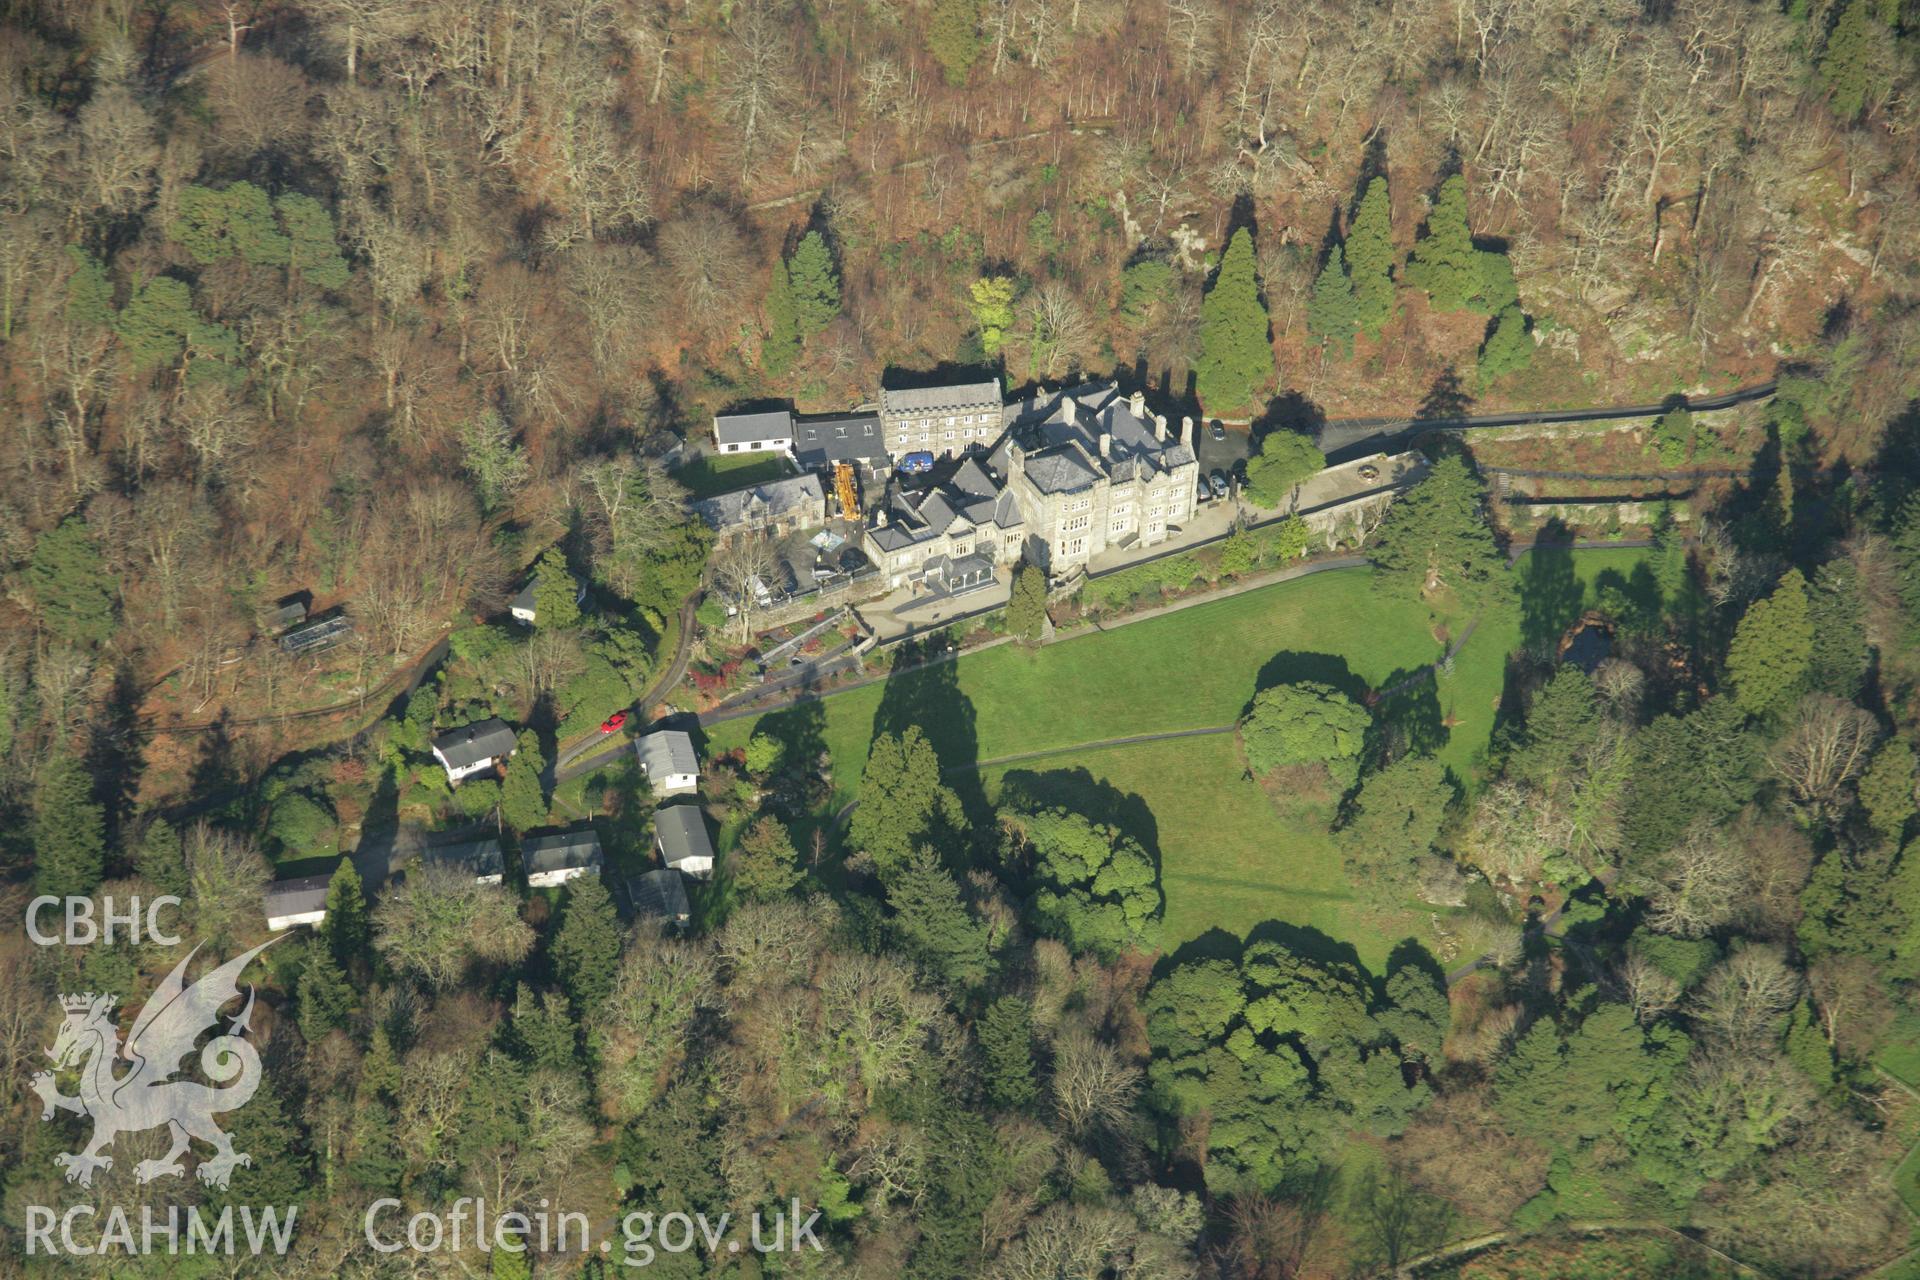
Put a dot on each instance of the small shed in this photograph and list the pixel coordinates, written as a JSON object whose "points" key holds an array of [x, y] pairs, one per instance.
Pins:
{"points": [[660, 894], [554, 860], [668, 759], [293, 902], [680, 834]]}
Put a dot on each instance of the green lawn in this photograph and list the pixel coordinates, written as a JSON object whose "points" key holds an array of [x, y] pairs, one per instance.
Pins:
{"points": [[1228, 858], [717, 473]]}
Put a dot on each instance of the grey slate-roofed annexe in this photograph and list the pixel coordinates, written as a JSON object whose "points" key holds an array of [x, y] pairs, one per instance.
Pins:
{"points": [[473, 743], [746, 428], [856, 437], [546, 854]]}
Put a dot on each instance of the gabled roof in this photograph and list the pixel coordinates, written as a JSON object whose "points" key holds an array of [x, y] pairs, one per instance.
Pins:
{"points": [[682, 832], [745, 428], [523, 600], [854, 437], [563, 852], [296, 897], [475, 857], [971, 396], [661, 893], [1061, 469], [761, 502], [1060, 436], [483, 740], [666, 752]]}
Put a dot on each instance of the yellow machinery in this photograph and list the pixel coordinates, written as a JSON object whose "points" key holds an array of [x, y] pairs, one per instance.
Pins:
{"points": [[843, 485]]}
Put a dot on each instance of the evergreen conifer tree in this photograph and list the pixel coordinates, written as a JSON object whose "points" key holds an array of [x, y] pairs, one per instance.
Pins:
{"points": [[347, 928], [1436, 536], [1332, 313], [782, 346], [1772, 650], [71, 585], [1508, 348], [523, 798], [555, 595], [1444, 262], [586, 950], [1236, 357], [69, 830], [1370, 258], [933, 924], [1006, 1041]]}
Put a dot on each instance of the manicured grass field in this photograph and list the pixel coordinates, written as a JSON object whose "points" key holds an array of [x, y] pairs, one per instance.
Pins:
{"points": [[717, 473], [1228, 859]]}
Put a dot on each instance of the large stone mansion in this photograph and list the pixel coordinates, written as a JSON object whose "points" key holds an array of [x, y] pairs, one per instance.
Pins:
{"points": [[1057, 478]]}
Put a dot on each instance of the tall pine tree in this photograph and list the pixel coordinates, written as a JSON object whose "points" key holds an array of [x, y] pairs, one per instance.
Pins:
{"points": [[933, 924], [1370, 258], [814, 284], [523, 799], [69, 830], [1006, 1041], [71, 584], [1436, 537], [1771, 656], [1508, 348], [586, 950], [1236, 357], [1444, 262], [346, 927], [1332, 313]]}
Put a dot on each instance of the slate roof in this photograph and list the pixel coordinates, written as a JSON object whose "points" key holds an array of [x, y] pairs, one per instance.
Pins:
{"points": [[661, 892], [1063, 455], [523, 601], [971, 493], [483, 740], [924, 400], [475, 857], [745, 428], [569, 849], [852, 437], [296, 897], [682, 832], [761, 502], [665, 752], [1061, 469]]}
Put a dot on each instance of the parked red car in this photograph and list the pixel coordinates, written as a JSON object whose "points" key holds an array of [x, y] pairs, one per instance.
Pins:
{"points": [[613, 722]]}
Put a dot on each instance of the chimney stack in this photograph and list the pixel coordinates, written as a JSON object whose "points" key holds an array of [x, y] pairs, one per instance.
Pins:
{"points": [[1160, 427], [1138, 403], [1186, 430], [1106, 444], [1069, 411]]}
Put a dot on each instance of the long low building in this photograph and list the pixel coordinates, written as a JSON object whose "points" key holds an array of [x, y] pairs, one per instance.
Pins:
{"points": [[766, 432], [554, 860], [294, 902]]}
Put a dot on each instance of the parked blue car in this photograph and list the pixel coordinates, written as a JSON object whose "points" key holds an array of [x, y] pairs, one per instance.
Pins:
{"points": [[914, 464]]}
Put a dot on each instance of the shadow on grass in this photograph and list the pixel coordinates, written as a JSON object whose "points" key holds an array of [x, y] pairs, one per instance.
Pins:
{"points": [[1303, 940], [1290, 666], [1078, 791], [928, 697]]}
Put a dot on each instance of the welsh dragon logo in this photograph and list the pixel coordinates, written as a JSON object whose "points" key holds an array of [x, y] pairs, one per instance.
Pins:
{"points": [[173, 1018]]}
